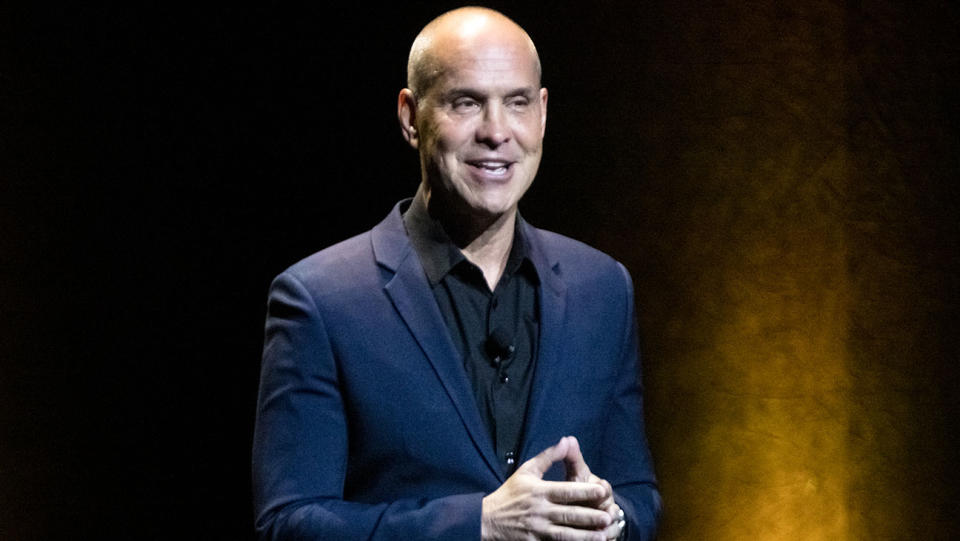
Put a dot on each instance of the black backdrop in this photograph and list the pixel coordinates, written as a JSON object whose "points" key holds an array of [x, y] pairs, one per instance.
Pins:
{"points": [[160, 165]]}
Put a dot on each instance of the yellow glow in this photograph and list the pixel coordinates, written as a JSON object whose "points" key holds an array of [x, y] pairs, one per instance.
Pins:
{"points": [[764, 376]]}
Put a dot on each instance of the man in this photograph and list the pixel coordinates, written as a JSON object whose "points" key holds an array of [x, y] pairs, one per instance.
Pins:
{"points": [[456, 373]]}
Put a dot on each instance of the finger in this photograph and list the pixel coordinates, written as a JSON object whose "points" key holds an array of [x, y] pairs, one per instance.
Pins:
{"points": [[539, 464], [614, 511], [570, 491], [613, 530], [578, 517], [605, 496], [607, 500], [577, 469], [566, 533], [618, 523]]}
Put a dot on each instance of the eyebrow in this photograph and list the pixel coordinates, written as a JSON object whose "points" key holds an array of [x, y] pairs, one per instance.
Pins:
{"points": [[526, 91]]}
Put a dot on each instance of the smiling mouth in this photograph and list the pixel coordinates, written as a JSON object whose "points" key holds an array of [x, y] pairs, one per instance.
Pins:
{"points": [[494, 167]]}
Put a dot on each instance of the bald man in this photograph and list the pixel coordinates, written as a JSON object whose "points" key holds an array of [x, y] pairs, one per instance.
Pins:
{"points": [[456, 373]]}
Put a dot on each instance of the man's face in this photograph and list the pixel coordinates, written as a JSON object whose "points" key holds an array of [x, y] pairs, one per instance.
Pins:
{"points": [[481, 126]]}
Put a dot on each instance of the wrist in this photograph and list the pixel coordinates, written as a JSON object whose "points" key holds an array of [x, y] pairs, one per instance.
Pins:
{"points": [[487, 531]]}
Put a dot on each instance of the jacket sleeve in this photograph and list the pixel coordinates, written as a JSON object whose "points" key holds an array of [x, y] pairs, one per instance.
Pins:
{"points": [[300, 445], [626, 456]]}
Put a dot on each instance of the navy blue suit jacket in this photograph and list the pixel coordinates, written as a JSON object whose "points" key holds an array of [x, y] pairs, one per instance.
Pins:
{"points": [[366, 423]]}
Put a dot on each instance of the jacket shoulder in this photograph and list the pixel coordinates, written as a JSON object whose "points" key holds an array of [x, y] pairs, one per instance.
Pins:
{"points": [[577, 261], [348, 263]]}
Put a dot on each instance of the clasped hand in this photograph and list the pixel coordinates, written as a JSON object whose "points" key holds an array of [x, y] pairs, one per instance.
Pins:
{"points": [[526, 507]]}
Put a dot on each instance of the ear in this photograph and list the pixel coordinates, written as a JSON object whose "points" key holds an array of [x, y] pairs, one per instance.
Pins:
{"points": [[543, 112], [407, 115]]}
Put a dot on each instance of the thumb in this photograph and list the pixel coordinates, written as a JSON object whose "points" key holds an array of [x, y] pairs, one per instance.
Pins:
{"points": [[539, 464], [577, 469]]}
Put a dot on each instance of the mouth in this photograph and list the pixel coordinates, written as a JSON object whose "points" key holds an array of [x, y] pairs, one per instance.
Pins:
{"points": [[491, 167]]}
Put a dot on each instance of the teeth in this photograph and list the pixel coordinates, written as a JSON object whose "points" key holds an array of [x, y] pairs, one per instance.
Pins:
{"points": [[492, 166]]}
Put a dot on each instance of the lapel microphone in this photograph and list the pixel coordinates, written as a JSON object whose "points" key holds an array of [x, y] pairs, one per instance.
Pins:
{"points": [[499, 346]]}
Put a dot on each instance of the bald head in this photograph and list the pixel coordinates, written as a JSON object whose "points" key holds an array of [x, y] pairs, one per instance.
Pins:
{"points": [[456, 33]]}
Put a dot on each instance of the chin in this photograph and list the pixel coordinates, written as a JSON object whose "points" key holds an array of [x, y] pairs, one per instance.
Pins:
{"points": [[493, 206], [495, 201]]}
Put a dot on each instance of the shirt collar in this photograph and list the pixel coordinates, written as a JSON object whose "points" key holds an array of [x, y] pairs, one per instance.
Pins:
{"points": [[439, 255]]}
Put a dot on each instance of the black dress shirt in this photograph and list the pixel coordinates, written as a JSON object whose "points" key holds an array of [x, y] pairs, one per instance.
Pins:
{"points": [[494, 331]]}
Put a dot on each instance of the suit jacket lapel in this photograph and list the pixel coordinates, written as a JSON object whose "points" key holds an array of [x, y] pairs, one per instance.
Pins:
{"points": [[410, 293], [553, 304]]}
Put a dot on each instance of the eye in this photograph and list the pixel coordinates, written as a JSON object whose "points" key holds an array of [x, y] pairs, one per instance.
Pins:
{"points": [[465, 104], [518, 102]]}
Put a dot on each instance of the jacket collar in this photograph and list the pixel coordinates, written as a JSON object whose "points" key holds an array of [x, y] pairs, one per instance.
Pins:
{"points": [[410, 292]]}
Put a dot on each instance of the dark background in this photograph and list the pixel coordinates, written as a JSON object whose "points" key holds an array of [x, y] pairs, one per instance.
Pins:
{"points": [[780, 178]]}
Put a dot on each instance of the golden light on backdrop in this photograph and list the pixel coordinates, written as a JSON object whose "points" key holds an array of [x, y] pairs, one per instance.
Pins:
{"points": [[796, 335], [770, 372], [765, 235]]}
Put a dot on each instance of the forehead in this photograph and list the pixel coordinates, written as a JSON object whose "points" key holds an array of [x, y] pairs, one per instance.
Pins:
{"points": [[487, 60]]}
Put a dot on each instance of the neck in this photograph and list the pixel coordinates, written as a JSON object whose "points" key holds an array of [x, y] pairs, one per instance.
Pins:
{"points": [[484, 240]]}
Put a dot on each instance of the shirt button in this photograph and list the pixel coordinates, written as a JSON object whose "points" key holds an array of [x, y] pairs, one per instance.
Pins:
{"points": [[511, 458], [504, 378]]}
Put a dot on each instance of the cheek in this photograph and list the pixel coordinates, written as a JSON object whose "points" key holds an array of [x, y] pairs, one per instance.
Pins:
{"points": [[529, 134]]}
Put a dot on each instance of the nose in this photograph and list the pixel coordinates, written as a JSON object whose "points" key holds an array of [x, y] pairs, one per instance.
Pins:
{"points": [[494, 129]]}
